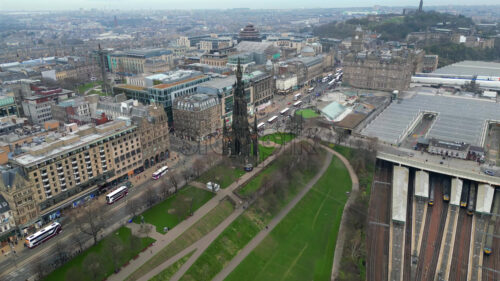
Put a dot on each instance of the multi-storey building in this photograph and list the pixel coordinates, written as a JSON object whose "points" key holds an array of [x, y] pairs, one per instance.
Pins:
{"points": [[70, 166], [140, 61], [72, 111], [209, 44], [7, 223], [166, 88], [152, 123], [430, 63], [7, 106], [197, 116], [249, 33], [217, 57], [37, 106], [381, 70]]}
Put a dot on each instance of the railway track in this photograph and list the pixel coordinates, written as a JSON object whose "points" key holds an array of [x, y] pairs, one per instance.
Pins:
{"points": [[460, 257], [379, 215]]}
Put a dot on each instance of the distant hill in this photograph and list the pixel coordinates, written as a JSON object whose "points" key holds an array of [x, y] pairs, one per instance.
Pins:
{"points": [[393, 27]]}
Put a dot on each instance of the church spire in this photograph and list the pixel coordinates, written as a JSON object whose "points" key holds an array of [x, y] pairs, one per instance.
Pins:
{"points": [[420, 6], [238, 72]]}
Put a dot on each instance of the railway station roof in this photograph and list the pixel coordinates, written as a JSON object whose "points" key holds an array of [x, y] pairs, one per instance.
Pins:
{"points": [[399, 193], [456, 191], [422, 184], [485, 193], [460, 119]]}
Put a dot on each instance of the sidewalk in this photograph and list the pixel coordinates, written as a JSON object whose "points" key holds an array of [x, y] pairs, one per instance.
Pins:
{"points": [[277, 219], [184, 225]]}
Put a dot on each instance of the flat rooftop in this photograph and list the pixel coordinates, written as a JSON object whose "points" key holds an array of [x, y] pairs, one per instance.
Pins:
{"points": [[399, 193], [456, 191], [468, 67], [461, 119], [422, 184], [485, 194]]}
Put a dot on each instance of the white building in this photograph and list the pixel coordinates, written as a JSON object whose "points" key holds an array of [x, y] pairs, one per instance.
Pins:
{"points": [[7, 222]]}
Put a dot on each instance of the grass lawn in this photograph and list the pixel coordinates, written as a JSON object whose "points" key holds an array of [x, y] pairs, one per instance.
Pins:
{"points": [[241, 231], [159, 215], [221, 174], [278, 138], [193, 234], [255, 183], [81, 89], [265, 151], [302, 245], [124, 235], [168, 272], [307, 113]]}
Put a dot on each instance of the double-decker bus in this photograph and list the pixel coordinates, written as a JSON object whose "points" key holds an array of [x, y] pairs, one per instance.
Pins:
{"points": [[160, 172], [297, 104], [284, 111], [272, 119], [116, 194], [43, 235], [310, 90], [297, 96]]}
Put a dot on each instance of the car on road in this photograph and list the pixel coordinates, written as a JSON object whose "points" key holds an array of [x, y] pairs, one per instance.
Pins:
{"points": [[489, 172]]}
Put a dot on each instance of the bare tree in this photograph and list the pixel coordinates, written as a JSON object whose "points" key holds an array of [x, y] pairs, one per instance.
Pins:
{"points": [[164, 189], [186, 175], [198, 166], [150, 196], [89, 220], [134, 205], [60, 252], [38, 268], [173, 178], [93, 264], [115, 249], [77, 240]]}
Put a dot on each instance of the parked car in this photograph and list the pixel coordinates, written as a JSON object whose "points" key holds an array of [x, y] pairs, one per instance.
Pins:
{"points": [[248, 167], [489, 172]]}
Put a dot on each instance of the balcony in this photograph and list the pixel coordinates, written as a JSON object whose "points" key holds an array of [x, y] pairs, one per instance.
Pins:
{"points": [[44, 174], [60, 168], [77, 178], [45, 180], [61, 173], [104, 166], [46, 185], [63, 184], [75, 168], [48, 196], [77, 183], [87, 156], [75, 173], [88, 162], [74, 162]]}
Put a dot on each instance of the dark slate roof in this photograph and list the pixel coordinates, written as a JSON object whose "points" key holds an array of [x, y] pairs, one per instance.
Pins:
{"points": [[4, 206]]}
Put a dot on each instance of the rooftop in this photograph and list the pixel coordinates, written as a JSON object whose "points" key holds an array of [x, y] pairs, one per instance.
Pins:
{"points": [[399, 193], [196, 102], [460, 119], [467, 67]]}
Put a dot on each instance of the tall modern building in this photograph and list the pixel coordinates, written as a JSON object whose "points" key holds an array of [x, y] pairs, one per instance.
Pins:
{"points": [[249, 33]]}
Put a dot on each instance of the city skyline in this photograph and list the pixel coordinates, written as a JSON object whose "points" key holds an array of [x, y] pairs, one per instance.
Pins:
{"points": [[32, 5]]}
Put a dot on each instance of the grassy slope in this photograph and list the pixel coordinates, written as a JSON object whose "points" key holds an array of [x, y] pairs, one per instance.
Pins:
{"points": [[123, 233], [168, 272], [221, 174], [301, 247], [193, 234], [240, 232], [159, 216], [278, 138]]}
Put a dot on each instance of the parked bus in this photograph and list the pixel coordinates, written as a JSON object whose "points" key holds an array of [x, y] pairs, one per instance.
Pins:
{"points": [[297, 104], [43, 235], [446, 190], [324, 80], [116, 195], [160, 172], [310, 90], [284, 111], [261, 126], [297, 96], [331, 82], [272, 119]]}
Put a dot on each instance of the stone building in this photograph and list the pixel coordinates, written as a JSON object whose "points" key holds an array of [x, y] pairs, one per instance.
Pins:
{"points": [[381, 70], [249, 33], [68, 168], [197, 117]]}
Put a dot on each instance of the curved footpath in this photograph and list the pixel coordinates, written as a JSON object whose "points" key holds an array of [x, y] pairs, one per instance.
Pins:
{"points": [[179, 229], [277, 219], [339, 246]]}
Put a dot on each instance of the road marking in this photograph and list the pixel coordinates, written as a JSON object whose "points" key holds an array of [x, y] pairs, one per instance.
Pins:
{"points": [[379, 224]]}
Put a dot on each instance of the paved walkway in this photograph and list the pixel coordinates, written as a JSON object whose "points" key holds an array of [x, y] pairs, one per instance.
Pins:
{"points": [[184, 225], [339, 246], [277, 219]]}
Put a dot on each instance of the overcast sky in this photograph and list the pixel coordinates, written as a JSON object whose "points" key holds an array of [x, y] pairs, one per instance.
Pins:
{"points": [[216, 4]]}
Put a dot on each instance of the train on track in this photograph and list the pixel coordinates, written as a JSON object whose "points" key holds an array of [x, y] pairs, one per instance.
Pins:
{"points": [[431, 194], [472, 199], [464, 197], [446, 190], [488, 246]]}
